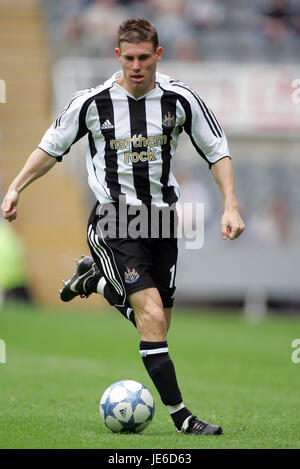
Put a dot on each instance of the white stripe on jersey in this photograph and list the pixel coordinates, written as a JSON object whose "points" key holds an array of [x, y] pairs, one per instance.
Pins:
{"points": [[96, 171], [154, 119], [121, 114]]}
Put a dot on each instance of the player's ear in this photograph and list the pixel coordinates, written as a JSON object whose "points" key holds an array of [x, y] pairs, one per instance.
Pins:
{"points": [[159, 52], [118, 52]]}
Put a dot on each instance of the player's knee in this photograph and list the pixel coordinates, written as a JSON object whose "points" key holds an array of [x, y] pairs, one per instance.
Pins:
{"points": [[149, 314], [156, 315], [152, 324]]}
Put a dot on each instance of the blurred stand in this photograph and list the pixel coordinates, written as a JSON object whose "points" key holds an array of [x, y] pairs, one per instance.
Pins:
{"points": [[278, 20], [51, 242], [278, 24], [175, 33], [95, 26]]}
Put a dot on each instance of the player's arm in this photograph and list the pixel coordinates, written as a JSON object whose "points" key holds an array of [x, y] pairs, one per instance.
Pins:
{"points": [[67, 129], [232, 224], [210, 141], [38, 164]]}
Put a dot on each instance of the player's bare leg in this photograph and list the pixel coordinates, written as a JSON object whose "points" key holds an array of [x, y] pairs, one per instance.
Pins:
{"points": [[149, 314], [152, 319]]}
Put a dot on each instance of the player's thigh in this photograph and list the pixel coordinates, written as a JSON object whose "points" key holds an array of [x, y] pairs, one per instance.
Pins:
{"points": [[149, 314]]}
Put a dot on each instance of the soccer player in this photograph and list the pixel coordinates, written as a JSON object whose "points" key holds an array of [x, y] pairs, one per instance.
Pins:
{"points": [[133, 122]]}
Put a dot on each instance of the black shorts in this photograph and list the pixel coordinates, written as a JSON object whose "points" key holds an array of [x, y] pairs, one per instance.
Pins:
{"points": [[135, 259]]}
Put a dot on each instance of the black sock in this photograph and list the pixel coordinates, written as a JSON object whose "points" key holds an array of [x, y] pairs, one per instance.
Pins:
{"points": [[161, 370], [91, 287], [127, 312], [180, 416], [91, 284]]}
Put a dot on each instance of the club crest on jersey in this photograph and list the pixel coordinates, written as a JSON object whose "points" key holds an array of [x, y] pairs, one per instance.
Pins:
{"points": [[131, 275], [169, 120]]}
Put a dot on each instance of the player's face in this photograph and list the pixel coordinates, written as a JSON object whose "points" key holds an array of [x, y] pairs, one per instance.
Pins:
{"points": [[139, 62]]}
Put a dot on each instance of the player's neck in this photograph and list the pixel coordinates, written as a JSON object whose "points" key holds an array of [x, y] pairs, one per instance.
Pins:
{"points": [[135, 93]]}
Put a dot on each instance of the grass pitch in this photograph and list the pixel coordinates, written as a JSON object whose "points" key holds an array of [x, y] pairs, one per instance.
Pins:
{"points": [[236, 374]]}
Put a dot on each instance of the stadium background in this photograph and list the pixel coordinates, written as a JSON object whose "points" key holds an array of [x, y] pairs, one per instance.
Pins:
{"points": [[61, 357], [242, 59]]}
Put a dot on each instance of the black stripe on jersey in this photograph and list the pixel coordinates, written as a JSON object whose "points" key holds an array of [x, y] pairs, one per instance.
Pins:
{"points": [[92, 145], [93, 151], [82, 128], [58, 119], [188, 121], [168, 108], [209, 111], [140, 169], [209, 116], [77, 95], [106, 112], [188, 125]]}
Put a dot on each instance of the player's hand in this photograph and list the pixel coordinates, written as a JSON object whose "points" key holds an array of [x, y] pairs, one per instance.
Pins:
{"points": [[9, 205], [231, 225]]}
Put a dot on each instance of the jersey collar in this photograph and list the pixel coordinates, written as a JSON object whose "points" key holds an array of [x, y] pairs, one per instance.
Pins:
{"points": [[113, 82]]}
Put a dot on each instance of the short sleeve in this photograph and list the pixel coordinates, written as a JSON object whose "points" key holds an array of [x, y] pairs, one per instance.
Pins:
{"points": [[203, 128], [67, 129]]}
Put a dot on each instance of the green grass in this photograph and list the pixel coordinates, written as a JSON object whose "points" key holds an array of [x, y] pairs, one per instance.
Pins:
{"points": [[230, 372]]}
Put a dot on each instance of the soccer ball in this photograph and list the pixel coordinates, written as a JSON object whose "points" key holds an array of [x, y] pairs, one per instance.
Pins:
{"points": [[127, 406]]}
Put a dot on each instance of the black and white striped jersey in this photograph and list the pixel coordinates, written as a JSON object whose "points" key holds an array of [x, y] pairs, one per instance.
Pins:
{"points": [[132, 141]]}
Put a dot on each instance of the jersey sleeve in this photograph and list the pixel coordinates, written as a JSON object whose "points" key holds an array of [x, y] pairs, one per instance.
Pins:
{"points": [[203, 128], [67, 129]]}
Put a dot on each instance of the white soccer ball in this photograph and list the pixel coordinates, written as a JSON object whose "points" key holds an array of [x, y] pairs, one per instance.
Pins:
{"points": [[127, 406]]}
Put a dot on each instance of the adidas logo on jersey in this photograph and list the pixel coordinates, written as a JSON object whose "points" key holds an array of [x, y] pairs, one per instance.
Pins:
{"points": [[106, 125]]}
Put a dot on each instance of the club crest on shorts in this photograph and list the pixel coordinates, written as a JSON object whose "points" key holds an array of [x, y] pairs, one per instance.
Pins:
{"points": [[169, 120], [131, 275]]}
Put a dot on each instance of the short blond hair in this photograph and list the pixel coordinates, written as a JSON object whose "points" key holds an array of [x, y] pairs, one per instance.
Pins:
{"points": [[138, 30]]}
